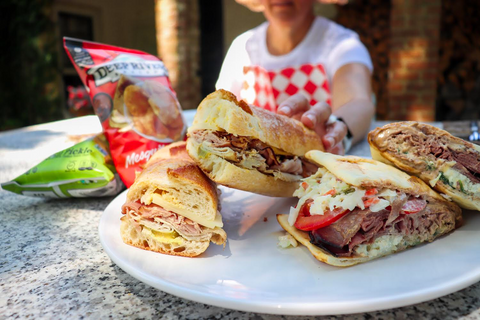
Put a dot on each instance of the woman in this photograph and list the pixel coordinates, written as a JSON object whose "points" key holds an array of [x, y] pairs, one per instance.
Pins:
{"points": [[305, 67]]}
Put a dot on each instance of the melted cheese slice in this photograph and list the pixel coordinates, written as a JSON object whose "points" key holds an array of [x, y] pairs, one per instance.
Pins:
{"points": [[159, 201]]}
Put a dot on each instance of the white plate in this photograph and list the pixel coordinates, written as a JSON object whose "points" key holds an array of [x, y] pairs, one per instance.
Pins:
{"points": [[253, 274]]}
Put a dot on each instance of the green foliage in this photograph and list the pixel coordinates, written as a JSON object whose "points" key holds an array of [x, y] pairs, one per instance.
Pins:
{"points": [[29, 68]]}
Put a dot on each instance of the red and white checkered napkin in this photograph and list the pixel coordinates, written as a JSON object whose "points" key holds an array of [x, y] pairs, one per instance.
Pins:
{"points": [[267, 89]]}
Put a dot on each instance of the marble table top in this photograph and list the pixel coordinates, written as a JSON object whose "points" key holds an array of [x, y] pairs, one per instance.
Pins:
{"points": [[52, 265]]}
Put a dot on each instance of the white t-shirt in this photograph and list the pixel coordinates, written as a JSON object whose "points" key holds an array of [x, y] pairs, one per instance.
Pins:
{"points": [[253, 74]]}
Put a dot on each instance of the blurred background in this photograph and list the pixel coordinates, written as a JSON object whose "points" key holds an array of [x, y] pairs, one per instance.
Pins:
{"points": [[426, 54]]}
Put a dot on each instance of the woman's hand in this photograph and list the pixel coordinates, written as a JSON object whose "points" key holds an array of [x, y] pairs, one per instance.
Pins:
{"points": [[316, 118]]}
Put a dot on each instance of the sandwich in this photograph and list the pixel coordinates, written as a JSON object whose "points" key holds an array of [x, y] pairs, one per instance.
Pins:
{"points": [[172, 207], [248, 148], [449, 164], [353, 210]]}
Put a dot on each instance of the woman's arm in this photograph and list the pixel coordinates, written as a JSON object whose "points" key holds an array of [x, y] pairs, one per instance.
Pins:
{"points": [[352, 98]]}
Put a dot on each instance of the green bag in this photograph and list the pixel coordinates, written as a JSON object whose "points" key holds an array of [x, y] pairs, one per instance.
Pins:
{"points": [[84, 170]]}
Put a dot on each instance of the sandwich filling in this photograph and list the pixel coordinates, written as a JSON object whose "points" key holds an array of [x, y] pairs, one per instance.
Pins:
{"points": [[349, 221], [440, 159], [252, 154], [168, 226]]}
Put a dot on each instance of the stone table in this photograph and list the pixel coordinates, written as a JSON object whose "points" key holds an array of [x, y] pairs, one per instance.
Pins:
{"points": [[53, 266]]}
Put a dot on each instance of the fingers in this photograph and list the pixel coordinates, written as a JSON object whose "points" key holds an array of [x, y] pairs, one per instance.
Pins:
{"points": [[294, 106], [334, 135], [338, 149], [317, 117]]}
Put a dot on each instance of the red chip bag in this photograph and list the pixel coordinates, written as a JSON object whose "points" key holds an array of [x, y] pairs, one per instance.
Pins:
{"points": [[132, 96]]}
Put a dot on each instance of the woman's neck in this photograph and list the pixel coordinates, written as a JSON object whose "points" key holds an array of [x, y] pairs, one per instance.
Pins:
{"points": [[283, 39]]}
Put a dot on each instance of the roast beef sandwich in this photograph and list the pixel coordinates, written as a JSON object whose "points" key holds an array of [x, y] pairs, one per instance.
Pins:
{"points": [[172, 207], [249, 148], [449, 164], [353, 210]]}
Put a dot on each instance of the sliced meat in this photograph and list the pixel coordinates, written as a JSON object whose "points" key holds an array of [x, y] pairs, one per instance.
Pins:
{"points": [[150, 212], [293, 166], [308, 168], [220, 141], [339, 233], [467, 161], [466, 173], [244, 145], [237, 142], [397, 205], [364, 226], [132, 205]]}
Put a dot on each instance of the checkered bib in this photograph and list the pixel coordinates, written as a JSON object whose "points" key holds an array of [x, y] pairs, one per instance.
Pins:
{"points": [[268, 89]]}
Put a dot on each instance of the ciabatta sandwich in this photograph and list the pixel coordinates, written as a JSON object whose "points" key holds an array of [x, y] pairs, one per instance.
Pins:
{"points": [[172, 207], [449, 164], [354, 210], [249, 148]]}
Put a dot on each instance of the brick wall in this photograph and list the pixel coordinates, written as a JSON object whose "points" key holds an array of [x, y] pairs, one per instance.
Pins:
{"points": [[178, 46], [413, 56], [459, 61]]}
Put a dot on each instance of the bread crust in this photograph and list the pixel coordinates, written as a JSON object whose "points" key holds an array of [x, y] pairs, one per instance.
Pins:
{"points": [[221, 111], [223, 172], [176, 150], [381, 153], [166, 173]]}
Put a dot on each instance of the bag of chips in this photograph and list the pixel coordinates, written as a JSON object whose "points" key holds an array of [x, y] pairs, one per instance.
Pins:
{"points": [[132, 96], [83, 170]]}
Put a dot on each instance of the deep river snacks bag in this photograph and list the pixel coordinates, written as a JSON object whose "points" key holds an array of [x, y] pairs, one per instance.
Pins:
{"points": [[132, 96]]}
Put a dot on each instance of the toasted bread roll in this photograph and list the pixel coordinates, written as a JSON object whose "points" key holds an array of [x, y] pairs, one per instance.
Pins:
{"points": [[172, 207], [449, 164], [176, 150], [249, 148]]}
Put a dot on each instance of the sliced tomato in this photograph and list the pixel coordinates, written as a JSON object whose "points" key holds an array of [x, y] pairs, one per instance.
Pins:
{"points": [[307, 222], [305, 209], [331, 192], [371, 192], [414, 206], [370, 201]]}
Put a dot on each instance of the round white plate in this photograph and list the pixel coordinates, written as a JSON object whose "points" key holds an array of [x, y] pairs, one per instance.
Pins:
{"points": [[253, 274]]}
